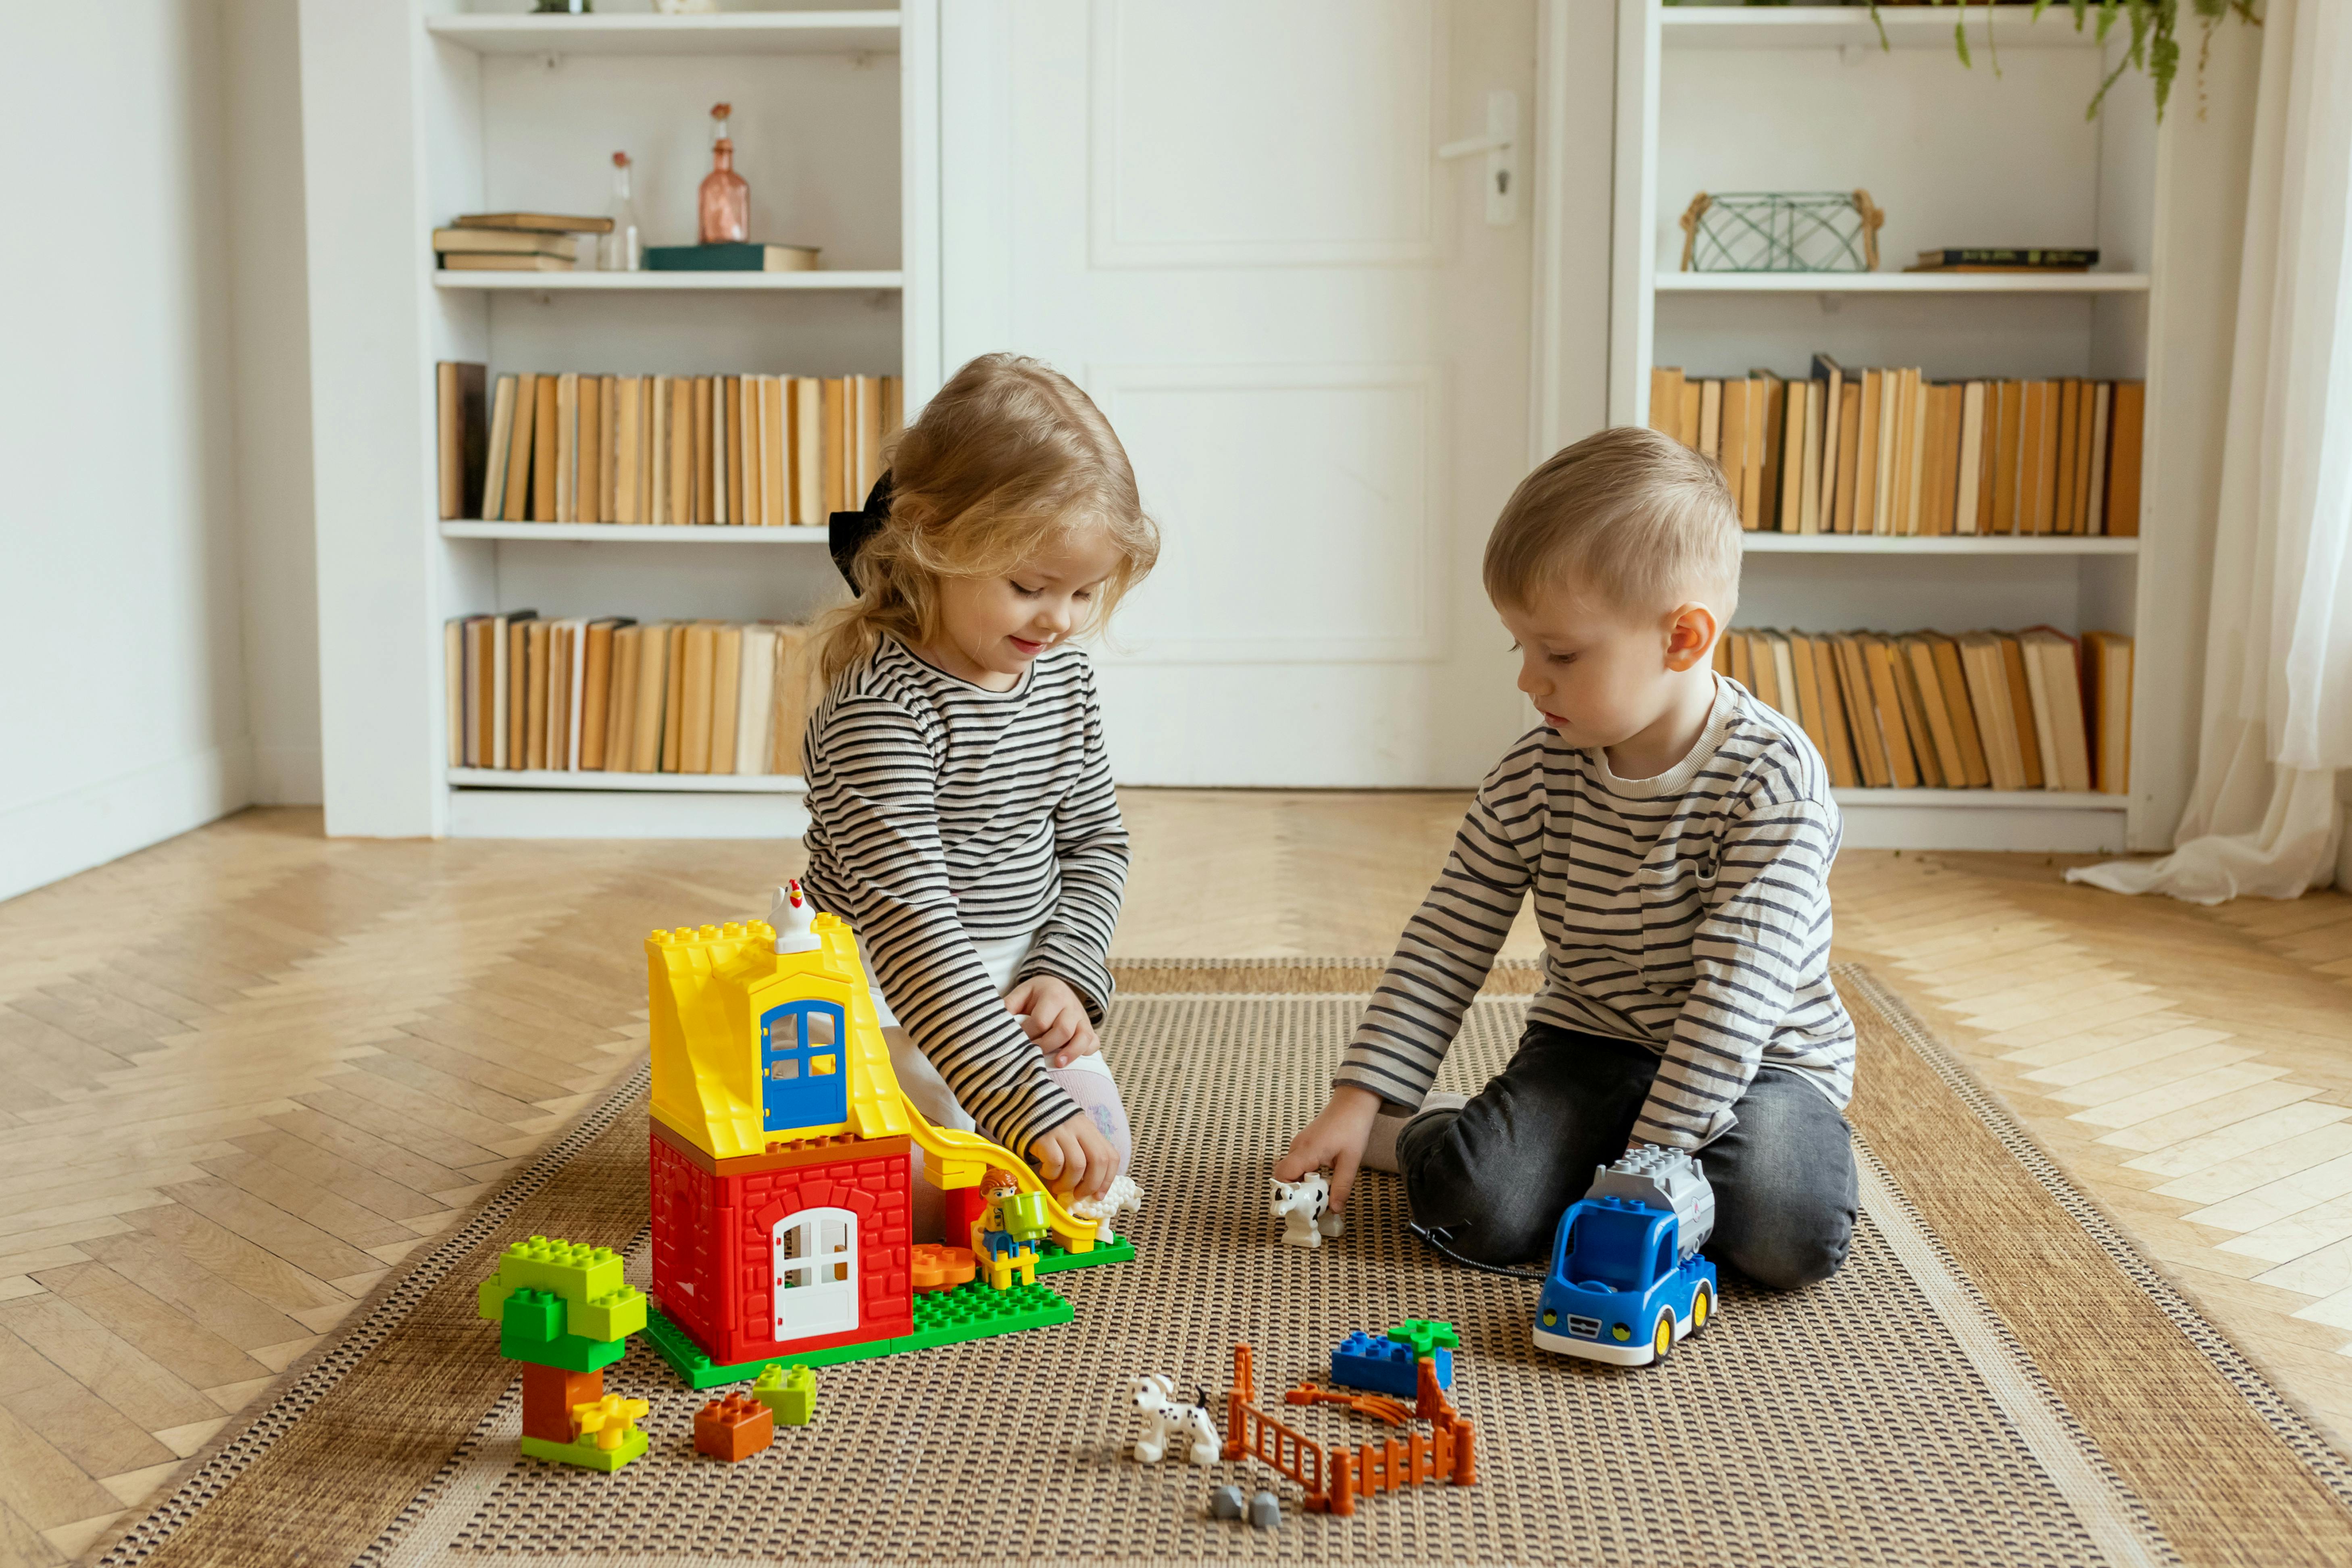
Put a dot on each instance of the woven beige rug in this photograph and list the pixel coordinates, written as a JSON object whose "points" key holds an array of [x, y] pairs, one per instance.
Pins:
{"points": [[1997, 1378]]}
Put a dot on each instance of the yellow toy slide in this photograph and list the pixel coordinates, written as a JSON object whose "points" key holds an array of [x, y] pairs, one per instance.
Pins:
{"points": [[957, 1159], [747, 1022]]}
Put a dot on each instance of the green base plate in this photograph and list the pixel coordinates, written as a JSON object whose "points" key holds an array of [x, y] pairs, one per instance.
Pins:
{"points": [[970, 1312], [1053, 1257], [587, 1455]]}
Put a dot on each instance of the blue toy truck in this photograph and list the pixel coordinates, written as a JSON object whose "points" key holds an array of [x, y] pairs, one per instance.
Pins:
{"points": [[1626, 1282]]}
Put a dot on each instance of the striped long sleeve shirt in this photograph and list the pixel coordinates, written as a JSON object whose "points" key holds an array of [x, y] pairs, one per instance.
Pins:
{"points": [[1689, 912], [942, 814]]}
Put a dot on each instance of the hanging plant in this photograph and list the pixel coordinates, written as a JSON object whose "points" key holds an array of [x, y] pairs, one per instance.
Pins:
{"points": [[2154, 34]]}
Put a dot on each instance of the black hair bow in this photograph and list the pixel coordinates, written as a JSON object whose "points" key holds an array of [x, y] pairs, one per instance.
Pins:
{"points": [[847, 531]]}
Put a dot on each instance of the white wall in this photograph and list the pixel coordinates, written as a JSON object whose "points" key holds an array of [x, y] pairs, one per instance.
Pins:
{"points": [[126, 714], [270, 310]]}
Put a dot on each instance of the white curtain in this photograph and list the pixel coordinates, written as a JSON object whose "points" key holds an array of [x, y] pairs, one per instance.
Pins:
{"points": [[2263, 815]]}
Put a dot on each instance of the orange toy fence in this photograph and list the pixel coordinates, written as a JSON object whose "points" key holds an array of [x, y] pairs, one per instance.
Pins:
{"points": [[1332, 1477]]}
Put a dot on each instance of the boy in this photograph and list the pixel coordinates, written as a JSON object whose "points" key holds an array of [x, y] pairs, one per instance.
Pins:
{"points": [[1677, 834]]}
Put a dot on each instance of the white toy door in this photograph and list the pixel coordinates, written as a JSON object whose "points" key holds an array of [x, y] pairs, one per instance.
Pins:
{"points": [[1229, 222], [816, 1273]]}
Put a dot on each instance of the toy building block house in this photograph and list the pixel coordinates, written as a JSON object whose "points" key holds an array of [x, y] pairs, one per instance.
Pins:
{"points": [[782, 1162]]}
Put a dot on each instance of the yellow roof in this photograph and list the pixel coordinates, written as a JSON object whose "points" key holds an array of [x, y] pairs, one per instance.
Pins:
{"points": [[715, 1080]]}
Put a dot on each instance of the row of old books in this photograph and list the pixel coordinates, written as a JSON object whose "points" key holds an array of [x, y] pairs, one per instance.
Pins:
{"points": [[757, 450], [2011, 710], [1890, 452], [606, 694]]}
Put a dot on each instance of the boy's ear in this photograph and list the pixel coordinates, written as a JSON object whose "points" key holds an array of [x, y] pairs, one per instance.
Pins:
{"points": [[1690, 636]]}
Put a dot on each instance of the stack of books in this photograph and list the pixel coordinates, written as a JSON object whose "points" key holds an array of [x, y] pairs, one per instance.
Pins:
{"points": [[754, 450], [2012, 711], [1890, 452], [605, 694], [515, 242]]}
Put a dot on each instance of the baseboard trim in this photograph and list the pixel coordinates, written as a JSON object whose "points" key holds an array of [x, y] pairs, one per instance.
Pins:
{"points": [[91, 823]]}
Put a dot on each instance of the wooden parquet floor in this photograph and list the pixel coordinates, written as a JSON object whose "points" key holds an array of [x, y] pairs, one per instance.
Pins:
{"points": [[245, 1072]]}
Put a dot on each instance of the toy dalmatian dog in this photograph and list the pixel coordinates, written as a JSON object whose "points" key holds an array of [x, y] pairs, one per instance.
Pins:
{"points": [[1168, 1427], [1304, 1207], [1124, 1197]]}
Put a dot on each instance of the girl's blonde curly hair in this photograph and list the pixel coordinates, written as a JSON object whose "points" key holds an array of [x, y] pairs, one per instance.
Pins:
{"points": [[1007, 460]]}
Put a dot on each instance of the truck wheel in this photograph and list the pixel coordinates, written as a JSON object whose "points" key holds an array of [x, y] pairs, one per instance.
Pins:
{"points": [[1662, 1339], [1702, 1309]]}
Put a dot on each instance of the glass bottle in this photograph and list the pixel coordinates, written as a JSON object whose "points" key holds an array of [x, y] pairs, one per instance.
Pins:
{"points": [[623, 249], [726, 205]]}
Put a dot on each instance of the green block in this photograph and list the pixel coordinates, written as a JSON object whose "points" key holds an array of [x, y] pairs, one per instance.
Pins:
{"points": [[1053, 1257], [970, 1312], [1425, 1335], [790, 1397], [568, 1352], [614, 1317], [584, 1453], [577, 1272], [530, 1317]]}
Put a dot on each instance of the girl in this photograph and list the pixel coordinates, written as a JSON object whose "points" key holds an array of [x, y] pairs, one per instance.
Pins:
{"points": [[961, 817]]}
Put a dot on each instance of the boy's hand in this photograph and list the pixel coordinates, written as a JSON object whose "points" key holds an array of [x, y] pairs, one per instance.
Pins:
{"points": [[1335, 1138], [1075, 1159], [1055, 1018]]}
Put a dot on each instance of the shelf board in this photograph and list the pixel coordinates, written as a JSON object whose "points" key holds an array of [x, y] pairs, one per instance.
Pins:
{"points": [[730, 33], [1898, 282], [645, 784], [1838, 27], [633, 533], [1941, 544], [663, 282], [1986, 799]]}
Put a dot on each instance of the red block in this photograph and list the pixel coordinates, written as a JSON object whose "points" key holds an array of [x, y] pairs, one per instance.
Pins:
{"points": [[718, 1225]]}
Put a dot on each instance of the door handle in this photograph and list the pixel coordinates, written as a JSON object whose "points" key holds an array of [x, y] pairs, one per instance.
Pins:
{"points": [[1501, 145]]}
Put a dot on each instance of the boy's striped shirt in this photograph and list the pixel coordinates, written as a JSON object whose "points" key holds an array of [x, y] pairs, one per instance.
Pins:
{"points": [[941, 814], [1689, 912]]}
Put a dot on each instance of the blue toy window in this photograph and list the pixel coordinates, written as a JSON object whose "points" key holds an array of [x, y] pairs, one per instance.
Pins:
{"points": [[803, 1076]]}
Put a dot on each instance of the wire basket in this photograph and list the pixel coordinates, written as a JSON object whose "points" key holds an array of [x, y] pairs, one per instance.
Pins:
{"points": [[1781, 231]]}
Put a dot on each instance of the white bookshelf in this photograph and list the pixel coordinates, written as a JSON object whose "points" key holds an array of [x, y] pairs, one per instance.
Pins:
{"points": [[630, 533], [416, 111], [674, 282], [1898, 282], [1953, 156], [730, 33]]}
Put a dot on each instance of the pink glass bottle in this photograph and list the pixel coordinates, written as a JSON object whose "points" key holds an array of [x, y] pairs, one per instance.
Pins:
{"points": [[726, 205]]}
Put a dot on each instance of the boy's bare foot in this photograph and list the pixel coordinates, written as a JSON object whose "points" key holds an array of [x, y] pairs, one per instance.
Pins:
{"points": [[1380, 1148]]}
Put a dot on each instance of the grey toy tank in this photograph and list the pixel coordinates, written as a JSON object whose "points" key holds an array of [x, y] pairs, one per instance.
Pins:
{"points": [[1666, 1179]]}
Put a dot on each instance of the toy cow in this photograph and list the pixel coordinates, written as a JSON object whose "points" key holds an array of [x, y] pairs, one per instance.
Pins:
{"points": [[1168, 1427], [1124, 1197], [1304, 1207]]}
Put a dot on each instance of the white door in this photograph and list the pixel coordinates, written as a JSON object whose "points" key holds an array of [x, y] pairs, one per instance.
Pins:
{"points": [[1228, 221], [816, 1273]]}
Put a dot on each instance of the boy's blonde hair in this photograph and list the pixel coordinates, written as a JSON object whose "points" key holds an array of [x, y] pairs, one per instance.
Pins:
{"points": [[1632, 515], [1007, 459]]}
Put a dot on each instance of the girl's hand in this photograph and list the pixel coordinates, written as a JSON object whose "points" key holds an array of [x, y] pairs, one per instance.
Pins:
{"points": [[1075, 1159], [1335, 1138], [1056, 1019]]}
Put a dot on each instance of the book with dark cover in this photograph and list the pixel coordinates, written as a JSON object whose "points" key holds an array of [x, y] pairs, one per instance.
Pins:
{"points": [[747, 258], [2008, 255]]}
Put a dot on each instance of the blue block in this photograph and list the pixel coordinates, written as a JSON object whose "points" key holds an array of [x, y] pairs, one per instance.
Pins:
{"points": [[1384, 1366]]}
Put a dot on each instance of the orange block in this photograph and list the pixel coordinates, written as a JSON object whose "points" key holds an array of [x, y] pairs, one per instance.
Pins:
{"points": [[733, 1428], [548, 1392], [936, 1268]]}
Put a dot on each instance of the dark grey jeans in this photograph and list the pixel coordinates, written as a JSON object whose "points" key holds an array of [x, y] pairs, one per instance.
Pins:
{"points": [[1497, 1173]]}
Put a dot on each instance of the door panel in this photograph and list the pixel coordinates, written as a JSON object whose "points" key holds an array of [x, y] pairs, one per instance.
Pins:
{"points": [[1227, 222]]}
